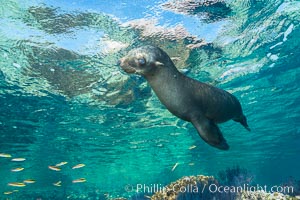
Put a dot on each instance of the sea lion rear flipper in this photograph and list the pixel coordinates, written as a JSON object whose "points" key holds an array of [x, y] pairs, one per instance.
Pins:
{"points": [[210, 133]]}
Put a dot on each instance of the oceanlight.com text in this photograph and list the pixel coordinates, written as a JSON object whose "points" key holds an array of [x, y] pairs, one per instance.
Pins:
{"points": [[211, 188]]}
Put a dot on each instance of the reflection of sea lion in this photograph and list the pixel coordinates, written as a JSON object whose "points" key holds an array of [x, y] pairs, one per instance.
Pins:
{"points": [[201, 104]]}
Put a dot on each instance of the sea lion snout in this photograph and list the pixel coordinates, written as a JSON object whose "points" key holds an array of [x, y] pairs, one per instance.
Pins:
{"points": [[126, 65], [146, 61]]}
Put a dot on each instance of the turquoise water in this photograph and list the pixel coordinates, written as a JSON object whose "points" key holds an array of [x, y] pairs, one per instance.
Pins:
{"points": [[64, 99]]}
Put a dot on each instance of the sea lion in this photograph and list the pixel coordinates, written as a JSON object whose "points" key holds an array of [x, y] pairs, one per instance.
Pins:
{"points": [[199, 103]]}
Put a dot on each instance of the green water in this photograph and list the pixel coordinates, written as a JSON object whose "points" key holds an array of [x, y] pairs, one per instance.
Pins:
{"points": [[63, 98]]}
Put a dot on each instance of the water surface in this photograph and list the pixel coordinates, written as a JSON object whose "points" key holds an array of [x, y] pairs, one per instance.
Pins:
{"points": [[63, 98]]}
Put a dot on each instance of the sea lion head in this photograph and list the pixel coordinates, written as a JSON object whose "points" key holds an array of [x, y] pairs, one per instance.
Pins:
{"points": [[145, 61]]}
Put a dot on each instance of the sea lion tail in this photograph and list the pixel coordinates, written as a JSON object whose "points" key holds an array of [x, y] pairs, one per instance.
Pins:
{"points": [[243, 121]]}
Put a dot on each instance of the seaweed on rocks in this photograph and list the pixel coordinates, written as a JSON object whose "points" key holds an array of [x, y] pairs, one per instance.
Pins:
{"points": [[235, 176], [192, 187]]}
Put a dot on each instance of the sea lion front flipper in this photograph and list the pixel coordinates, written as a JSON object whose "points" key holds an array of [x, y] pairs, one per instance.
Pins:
{"points": [[243, 121], [210, 132]]}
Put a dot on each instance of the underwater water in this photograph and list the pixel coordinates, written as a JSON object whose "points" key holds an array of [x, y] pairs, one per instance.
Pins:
{"points": [[63, 98]]}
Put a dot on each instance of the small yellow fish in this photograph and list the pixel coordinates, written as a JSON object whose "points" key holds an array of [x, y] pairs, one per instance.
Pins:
{"points": [[191, 164], [16, 184], [80, 180], [54, 168], [174, 59], [58, 184], [17, 169], [192, 147], [5, 155], [8, 192], [61, 164], [78, 166], [18, 159], [29, 181], [174, 167]]}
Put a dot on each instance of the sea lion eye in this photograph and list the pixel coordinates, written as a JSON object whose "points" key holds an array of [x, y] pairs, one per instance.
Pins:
{"points": [[141, 61]]}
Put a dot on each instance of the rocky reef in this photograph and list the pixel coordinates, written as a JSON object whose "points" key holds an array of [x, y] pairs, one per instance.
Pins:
{"points": [[192, 187], [205, 187], [262, 195]]}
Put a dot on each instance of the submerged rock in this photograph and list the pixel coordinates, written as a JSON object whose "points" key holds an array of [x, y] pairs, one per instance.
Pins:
{"points": [[262, 195], [204, 188], [192, 187]]}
